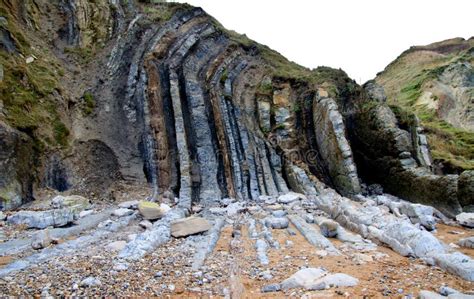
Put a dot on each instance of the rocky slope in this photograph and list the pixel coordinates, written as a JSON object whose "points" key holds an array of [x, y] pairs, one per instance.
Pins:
{"points": [[101, 98], [437, 83]]}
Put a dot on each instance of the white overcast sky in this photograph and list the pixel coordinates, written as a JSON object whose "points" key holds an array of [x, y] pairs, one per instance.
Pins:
{"points": [[359, 36]]}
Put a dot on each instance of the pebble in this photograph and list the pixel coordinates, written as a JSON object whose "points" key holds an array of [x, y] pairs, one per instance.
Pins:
{"points": [[91, 282]]}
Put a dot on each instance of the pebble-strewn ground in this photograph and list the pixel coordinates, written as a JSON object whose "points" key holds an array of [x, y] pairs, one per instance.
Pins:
{"points": [[232, 269]]}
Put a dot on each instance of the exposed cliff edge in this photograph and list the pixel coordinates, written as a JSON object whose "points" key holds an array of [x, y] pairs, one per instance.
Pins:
{"points": [[436, 82], [164, 94]]}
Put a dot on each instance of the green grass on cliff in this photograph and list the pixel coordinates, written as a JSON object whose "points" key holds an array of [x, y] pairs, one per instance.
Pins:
{"points": [[405, 80], [27, 89]]}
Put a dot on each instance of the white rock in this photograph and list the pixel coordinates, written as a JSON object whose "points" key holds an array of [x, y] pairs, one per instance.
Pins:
{"points": [[291, 197], [303, 278], [91, 282], [132, 204], [86, 213], [466, 219], [334, 280], [277, 222], [29, 60], [122, 212], [41, 240], [117, 245]]}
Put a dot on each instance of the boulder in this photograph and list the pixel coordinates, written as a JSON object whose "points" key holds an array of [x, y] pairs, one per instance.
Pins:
{"points": [[150, 210], [329, 228], [334, 280], [466, 219], [41, 240], [72, 201], [277, 222], [189, 226], [290, 197], [304, 278], [467, 242], [43, 219]]}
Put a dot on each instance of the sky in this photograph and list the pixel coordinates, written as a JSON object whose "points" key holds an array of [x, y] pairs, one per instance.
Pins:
{"points": [[359, 36]]}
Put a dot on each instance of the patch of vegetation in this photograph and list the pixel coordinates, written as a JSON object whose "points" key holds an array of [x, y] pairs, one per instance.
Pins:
{"points": [[265, 88], [162, 11], [224, 76], [89, 103], [84, 55]]}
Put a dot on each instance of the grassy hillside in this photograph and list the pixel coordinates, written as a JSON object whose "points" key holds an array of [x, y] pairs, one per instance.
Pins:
{"points": [[410, 83]]}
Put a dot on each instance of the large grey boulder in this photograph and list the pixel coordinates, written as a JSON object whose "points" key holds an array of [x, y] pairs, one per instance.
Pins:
{"points": [[71, 201], [44, 219]]}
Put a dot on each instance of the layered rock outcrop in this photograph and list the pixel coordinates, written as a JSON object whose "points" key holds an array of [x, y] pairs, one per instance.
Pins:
{"points": [[183, 104]]}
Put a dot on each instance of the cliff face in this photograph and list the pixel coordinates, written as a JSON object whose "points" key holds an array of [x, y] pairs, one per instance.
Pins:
{"points": [[163, 94], [437, 83]]}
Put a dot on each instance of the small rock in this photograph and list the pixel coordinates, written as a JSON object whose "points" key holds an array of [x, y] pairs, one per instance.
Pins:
{"points": [[267, 275], [91, 282], [466, 219], [146, 224], [158, 274], [275, 287], [289, 243], [29, 60], [116, 246], [150, 210], [121, 267], [309, 218], [41, 240], [132, 204], [291, 232], [279, 213], [122, 212], [189, 226], [290, 197], [329, 228], [321, 253], [334, 280]]}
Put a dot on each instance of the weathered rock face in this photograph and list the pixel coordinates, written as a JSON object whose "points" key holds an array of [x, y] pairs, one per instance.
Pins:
{"points": [[387, 153], [203, 114], [16, 164]]}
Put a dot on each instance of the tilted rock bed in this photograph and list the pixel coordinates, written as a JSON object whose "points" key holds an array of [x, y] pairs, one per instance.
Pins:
{"points": [[119, 257]]}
